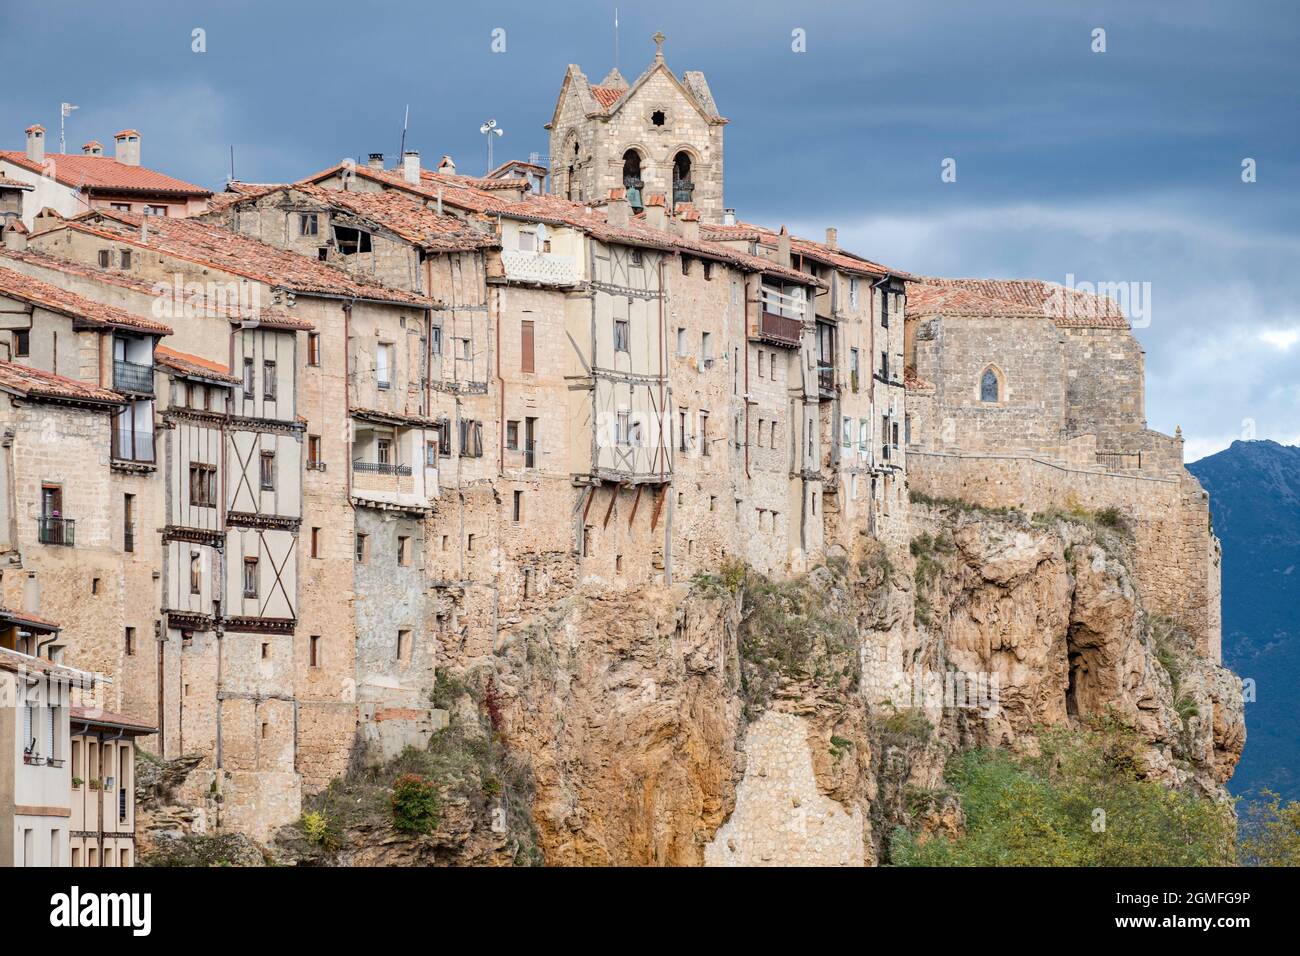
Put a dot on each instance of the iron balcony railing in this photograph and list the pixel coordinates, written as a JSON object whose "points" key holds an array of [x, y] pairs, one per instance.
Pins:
{"points": [[132, 376], [826, 377], [381, 468], [133, 445], [52, 530]]}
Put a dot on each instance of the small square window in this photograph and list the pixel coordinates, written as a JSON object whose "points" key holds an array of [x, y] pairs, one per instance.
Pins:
{"points": [[22, 343]]}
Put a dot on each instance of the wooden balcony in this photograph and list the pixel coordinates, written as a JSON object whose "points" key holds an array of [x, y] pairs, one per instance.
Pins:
{"points": [[779, 330]]}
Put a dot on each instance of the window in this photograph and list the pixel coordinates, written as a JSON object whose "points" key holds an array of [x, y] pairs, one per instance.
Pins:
{"points": [[384, 365], [620, 335], [853, 292], [518, 509], [362, 548], [464, 347], [469, 542], [313, 348], [686, 265], [120, 206], [430, 454], [512, 435], [853, 369], [762, 357], [471, 438], [384, 451], [708, 270], [203, 485], [658, 117], [313, 451], [990, 390], [196, 573], [155, 210], [105, 257], [250, 577], [681, 342], [621, 429], [704, 433], [266, 651], [681, 430], [313, 650], [22, 343], [128, 523], [884, 366], [248, 378], [404, 646], [129, 641], [435, 340], [884, 309], [268, 380], [308, 224], [404, 550], [268, 471], [526, 346], [637, 258], [706, 348], [444, 437], [527, 241], [315, 542], [126, 258]]}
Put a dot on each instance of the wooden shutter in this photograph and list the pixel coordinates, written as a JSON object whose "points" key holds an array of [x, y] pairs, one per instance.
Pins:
{"points": [[526, 346]]}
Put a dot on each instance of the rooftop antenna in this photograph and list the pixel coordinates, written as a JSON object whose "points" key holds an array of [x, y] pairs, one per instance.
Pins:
{"points": [[232, 164], [405, 119], [65, 110], [490, 129], [616, 38]]}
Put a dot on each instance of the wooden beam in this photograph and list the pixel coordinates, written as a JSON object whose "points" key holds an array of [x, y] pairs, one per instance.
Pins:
{"points": [[591, 496], [659, 503], [635, 501], [613, 497]]}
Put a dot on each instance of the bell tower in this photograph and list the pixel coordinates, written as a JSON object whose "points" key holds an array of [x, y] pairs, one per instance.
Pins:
{"points": [[659, 135]]}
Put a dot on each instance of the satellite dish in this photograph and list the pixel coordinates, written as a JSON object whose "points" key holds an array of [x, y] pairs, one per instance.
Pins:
{"points": [[542, 232]]}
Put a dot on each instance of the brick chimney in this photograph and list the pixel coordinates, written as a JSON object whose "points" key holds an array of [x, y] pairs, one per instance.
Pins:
{"points": [[618, 210], [411, 167], [36, 143], [687, 223], [375, 161], [447, 166], [832, 237], [783, 248], [656, 213], [127, 147], [93, 148]]}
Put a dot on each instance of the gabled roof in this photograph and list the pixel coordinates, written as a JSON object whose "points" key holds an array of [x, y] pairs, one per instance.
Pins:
{"points": [[85, 311], [109, 720], [819, 252], [219, 248], [455, 192], [1068, 308], [955, 300], [7, 183], [192, 366], [608, 97], [104, 174], [35, 383]]}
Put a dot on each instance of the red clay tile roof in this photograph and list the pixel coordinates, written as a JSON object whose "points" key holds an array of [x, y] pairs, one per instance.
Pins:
{"points": [[16, 662], [195, 365], [926, 299], [607, 96], [219, 248], [7, 183], [816, 251], [406, 216], [104, 174], [98, 717], [25, 617], [37, 383], [1068, 308], [49, 296]]}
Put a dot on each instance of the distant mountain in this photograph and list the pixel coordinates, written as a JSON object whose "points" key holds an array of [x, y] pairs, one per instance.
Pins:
{"points": [[1254, 491]]}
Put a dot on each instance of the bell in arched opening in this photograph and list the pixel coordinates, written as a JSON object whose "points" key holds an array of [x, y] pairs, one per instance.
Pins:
{"points": [[632, 180], [683, 186]]}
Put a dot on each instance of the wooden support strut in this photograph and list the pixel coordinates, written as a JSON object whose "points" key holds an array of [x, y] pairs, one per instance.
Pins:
{"points": [[635, 501], [613, 497], [659, 503]]}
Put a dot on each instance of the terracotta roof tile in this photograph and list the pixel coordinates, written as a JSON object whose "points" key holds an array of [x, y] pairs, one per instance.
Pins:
{"points": [[405, 215], [607, 96], [816, 251], [195, 365], [37, 383], [1068, 308], [25, 617], [220, 248], [99, 717], [104, 174], [7, 183], [50, 296]]}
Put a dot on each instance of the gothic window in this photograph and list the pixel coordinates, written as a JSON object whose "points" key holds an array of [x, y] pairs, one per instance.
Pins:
{"points": [[990, 386], [683, 186], [632, 180]]}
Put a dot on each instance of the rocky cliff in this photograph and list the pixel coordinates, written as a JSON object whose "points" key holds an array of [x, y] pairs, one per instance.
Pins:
{"points": [[734, 720]]}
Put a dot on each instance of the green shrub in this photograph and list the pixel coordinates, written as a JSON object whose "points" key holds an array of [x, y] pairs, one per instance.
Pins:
{"points": [[1270, 831], [415, 804]]}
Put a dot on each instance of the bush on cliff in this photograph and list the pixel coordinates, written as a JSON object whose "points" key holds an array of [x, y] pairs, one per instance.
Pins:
{"points": [[1080, 803], [1270, 831]]}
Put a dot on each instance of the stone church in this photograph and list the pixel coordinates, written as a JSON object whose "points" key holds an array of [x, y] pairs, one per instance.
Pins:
{"points": [[661, 135]]}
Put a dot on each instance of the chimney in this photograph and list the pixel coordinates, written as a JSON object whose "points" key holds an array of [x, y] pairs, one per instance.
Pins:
{"points": [[127, 147], [36, 144], [411, 167], [832, 237], [376, 161], [447, 166], [93, 148], [729, 217], [688, 222], [32, 593], [618, 210], [783, 248], [656, 215], [15, 234]]}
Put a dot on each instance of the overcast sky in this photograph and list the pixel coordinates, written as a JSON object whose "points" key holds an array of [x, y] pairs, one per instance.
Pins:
{"points": [[1121, 166]]}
